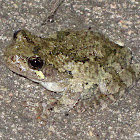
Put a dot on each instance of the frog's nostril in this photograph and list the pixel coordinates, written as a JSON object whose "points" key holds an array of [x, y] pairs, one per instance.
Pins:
{"points": [[13, 58]]}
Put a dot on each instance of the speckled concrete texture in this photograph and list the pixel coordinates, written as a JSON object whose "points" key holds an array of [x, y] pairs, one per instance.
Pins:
{"points": [[20, 98]]}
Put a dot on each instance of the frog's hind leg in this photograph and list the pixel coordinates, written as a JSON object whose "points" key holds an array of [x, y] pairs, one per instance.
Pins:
{"points": [[101, 101], [129, 77]]}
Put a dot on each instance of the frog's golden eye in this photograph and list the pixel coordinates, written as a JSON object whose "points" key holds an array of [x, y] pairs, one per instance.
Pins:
{"points": [[35, 63]]}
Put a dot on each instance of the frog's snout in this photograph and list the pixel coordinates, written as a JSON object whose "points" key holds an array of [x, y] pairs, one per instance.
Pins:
{"points": [[16, 62]]}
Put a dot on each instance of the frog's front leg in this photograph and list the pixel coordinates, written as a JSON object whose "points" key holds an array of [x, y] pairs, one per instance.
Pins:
{"points": [[67, 99], [66, 102]]}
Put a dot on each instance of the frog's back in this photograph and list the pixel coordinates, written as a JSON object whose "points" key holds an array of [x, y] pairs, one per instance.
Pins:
{"points": [[86, 46]]}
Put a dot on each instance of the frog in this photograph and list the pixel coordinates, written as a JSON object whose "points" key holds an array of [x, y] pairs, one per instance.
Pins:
{"points": [[76, 64]]}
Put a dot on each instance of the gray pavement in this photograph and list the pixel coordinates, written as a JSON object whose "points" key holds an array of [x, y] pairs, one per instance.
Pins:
{"points": [[19, 97]]}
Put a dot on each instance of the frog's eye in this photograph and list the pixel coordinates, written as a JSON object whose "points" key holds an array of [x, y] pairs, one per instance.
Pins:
{"points": [[35, 63]]}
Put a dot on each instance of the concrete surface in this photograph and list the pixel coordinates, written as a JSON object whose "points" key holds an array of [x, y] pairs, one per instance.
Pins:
{"points": [[19, 97]]}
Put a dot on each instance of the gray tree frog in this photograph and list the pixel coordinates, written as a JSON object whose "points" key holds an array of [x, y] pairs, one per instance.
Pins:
{"points": [[75, 64]]}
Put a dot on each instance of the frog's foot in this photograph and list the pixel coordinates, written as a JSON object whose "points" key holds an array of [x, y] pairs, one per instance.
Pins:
{"points": [[66, 102], [62, 105]]}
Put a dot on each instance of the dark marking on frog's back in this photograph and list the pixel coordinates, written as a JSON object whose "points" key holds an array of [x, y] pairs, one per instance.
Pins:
{"points": [[36, 49]]}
